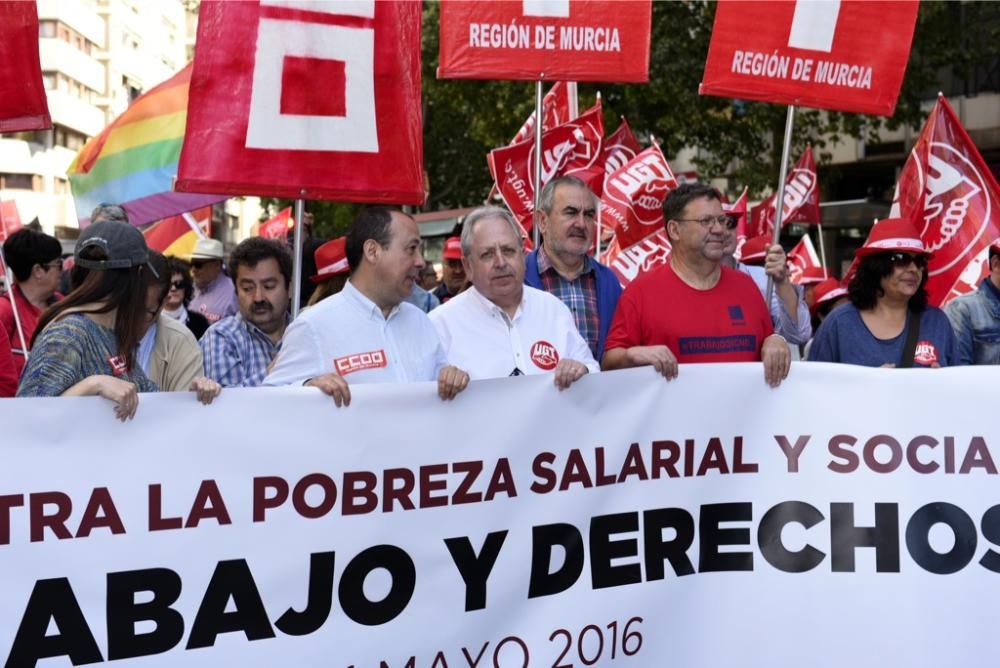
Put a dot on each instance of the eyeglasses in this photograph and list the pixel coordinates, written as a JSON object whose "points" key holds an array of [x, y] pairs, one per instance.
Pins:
{"points": [[55, 264], [903, 260], [177, 285], [198, 264], [725, 220]]}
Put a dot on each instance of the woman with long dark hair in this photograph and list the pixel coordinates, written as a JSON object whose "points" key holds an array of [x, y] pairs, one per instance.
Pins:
{"points": [[888, 322], [86, 343]]}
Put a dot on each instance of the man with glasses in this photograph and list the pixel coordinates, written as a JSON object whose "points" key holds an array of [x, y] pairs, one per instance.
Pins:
{"points": [[214, 292], [694, 309], [567, 215], [36, 262], [500, 326]]}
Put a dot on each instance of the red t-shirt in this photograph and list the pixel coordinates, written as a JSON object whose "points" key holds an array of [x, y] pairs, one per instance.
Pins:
{"points": [[727, 323], [28, 313]]}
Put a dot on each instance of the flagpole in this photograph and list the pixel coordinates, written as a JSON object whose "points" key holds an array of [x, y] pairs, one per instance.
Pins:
{"points": [[535, 234], [822, 246], [9, 281], [779, 202], [297, 256]]}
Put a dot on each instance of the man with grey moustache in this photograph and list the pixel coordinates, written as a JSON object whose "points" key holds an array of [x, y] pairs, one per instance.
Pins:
{"points": [[367, 332]]}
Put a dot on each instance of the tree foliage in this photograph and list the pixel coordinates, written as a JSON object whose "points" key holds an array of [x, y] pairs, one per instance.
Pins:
{"points": [[737, 139]]}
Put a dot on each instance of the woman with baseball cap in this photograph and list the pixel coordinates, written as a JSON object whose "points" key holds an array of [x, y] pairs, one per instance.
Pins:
{"points": [[888, 322]]}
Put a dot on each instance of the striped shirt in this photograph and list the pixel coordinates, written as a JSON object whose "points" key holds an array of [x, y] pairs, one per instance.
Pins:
{"points": [[236, 353], [578, 294]]}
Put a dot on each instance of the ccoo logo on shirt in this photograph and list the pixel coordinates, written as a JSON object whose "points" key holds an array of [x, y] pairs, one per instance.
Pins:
{"points": [[374, 359]]}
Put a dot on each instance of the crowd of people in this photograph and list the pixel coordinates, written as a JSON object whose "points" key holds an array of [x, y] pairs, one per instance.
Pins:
{"points": [[135, 321]]}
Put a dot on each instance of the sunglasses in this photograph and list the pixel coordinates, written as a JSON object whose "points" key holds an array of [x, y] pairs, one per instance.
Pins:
{"points": [[198, 264], [177, 285], [902, 260]]}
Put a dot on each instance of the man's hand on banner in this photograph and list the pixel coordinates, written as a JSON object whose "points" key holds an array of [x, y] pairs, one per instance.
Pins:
{"points": [[659, 357], [568, 372], [206, 389], [334, 385], [776, 358], [451, 381]]}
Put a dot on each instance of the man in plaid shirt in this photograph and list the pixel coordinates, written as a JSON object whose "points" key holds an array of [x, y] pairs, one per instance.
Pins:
{"points": [[238, 349], [562, 266]]}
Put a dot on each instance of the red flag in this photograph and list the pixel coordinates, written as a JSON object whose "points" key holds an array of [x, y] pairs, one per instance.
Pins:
{"points": [[633, 204], [260, 123], [552, 40], [572, 148], [801, 199], [738, 209], [555, 111], [620, 147], [802, 257], [10, 219], [23, 105], [277, 226], [849, 56], [949, 193], [176, 235]]}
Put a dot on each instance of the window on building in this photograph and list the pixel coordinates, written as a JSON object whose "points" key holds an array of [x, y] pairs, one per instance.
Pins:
{"points": [[62, 186], [49, 80], [47, 28], [16, 181]]}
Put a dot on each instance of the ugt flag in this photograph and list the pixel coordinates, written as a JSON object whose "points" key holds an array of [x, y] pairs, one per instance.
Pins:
{"points": [[949, 193], [23, 105], [801, 203], [801, 258], [306, 100]]}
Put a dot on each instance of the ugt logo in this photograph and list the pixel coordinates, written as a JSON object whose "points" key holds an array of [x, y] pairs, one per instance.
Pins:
{"points": [[288, 109]]}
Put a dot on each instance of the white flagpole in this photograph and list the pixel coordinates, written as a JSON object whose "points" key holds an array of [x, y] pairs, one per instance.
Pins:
{"points": [[300, 205], [535, 233]]}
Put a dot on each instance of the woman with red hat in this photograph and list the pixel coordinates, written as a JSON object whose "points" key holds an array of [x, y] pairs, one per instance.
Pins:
{"points": [[888, 322], [331, 270]]}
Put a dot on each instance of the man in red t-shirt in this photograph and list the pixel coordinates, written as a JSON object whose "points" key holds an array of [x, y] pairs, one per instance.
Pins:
{"points": [[35, 259], [693, 309]]}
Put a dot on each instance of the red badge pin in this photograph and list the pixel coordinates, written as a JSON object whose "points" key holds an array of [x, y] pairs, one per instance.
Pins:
{"points": [[544, 355]]}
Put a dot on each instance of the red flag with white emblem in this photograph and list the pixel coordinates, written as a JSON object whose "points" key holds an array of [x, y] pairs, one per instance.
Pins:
{"points": [[738, 209], [10, 219], [23, 104], [572, 148], [277, 226], [620, 147], [834, 54], [947, 190], [801, 199], [312, 100], [633, 204], [555, 111], [802, 257]]}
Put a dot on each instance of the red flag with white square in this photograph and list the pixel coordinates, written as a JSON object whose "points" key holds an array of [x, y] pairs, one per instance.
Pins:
{"points": [[23, 104], [306, 99], [551, 40], [827, 54], [947, 190]]}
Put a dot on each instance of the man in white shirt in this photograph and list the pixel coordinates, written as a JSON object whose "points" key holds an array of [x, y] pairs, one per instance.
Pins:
{"points": [[501, 327], [367, 333]]}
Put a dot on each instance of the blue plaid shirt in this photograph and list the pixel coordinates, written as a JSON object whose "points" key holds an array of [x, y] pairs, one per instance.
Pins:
{"points": [[579, 295], [236, 352]]}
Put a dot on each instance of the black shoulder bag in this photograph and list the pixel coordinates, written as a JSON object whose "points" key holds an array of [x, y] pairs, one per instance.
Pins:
{"points": [[912, 333]]}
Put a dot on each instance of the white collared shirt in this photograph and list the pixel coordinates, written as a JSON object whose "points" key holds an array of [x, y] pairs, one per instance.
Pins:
{"points": [[348, 334], [481, 339]]}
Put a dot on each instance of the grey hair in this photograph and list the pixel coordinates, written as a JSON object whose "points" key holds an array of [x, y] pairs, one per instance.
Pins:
{"points": [[549, 192], [107, 211], [483, 213]]}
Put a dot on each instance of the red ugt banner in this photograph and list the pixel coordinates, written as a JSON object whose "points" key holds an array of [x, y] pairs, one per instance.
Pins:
{"points": [[949, 193], [312, 100], [848, 56], [551, 40], [23, 105]]}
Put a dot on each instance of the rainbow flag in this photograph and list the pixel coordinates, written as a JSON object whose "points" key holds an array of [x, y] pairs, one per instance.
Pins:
{"points": [[133, 162]]}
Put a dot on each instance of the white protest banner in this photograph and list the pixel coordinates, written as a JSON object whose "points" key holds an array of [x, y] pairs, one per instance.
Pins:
{"points": [[848, 518]]}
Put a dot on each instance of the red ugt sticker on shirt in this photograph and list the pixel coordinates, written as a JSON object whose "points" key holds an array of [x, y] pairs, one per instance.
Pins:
{"points": [[926, 353], [374, 359], [119, 367], [544, 355]]}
